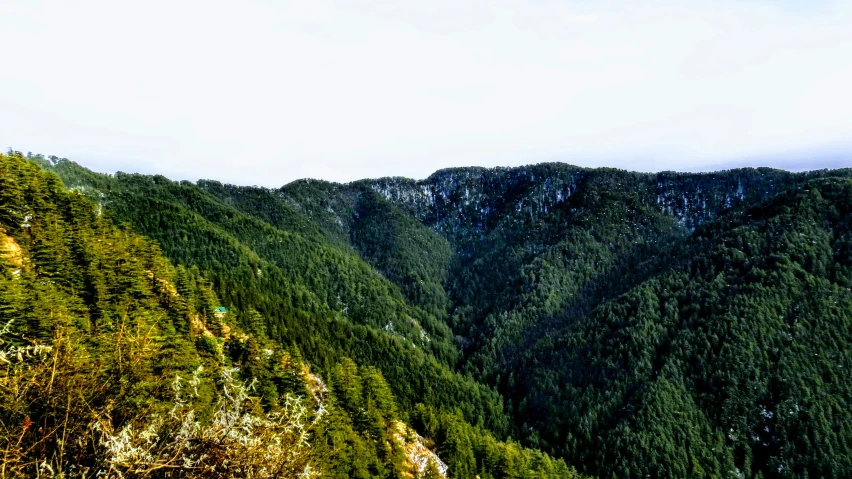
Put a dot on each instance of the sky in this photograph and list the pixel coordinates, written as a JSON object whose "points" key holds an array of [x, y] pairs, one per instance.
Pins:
{"points": [[263, 92]]}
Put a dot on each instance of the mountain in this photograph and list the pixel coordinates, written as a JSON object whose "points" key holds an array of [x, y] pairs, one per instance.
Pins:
{"points": [[662, 325], [119, 363], [636, 325]]}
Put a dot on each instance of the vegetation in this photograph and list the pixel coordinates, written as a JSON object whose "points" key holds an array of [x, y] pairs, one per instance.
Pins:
{"points": [[115, 363], [634, 325], [297, 290]]}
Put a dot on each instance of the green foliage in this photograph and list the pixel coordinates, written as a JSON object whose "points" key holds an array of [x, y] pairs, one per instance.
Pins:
{"points": [[115, 364], [405, 251], [323, 298], [636, 325], [472, 452], [101, 301], [598, 303], [708, 367]]}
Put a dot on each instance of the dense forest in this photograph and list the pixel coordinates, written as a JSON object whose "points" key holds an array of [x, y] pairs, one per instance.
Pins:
{"points": [[117, 362], [520, 322]]}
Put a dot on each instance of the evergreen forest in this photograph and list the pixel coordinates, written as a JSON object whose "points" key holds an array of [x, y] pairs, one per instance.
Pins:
{"points": [[546, 321]]}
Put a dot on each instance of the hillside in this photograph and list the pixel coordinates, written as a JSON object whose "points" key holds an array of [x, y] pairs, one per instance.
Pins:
{"points": [[117, 363], [636, 325], [655, 325], [295, 288]]}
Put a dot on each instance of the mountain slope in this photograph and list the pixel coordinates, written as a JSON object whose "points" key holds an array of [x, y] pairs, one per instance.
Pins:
{"points": [[555, 273], [116, 363], [739, 352], [634, 324], [297, 290]]}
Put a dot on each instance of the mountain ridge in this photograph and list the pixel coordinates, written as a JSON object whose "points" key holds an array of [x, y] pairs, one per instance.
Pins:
{"points": [[134, 360], [561, 289]]}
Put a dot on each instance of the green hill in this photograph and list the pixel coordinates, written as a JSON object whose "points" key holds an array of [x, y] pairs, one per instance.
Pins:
{"points": [[636, 325], [116, 363]]}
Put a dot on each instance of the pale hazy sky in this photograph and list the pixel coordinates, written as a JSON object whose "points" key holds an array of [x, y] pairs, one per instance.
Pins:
{"points": [[264, 92]]}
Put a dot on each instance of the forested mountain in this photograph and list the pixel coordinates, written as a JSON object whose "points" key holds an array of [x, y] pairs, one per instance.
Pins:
{"points": [[117, 363], [636, 325]]}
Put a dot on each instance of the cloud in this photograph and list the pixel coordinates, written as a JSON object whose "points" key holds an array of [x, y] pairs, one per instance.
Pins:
{"points": [[268, 91]]}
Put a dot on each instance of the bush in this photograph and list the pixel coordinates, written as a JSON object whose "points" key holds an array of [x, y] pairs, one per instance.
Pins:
{"points": [[57, 422]]}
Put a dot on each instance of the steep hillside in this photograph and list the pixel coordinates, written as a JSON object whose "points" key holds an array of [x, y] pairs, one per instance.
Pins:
{"points": [[118, 364], [355, 219], [295, 289], [634, 324], [554, 270], [541, 251], [731, 360]]}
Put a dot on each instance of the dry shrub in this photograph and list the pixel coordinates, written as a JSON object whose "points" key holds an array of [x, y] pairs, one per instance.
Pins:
{"points": [[239, 441], [57, 419]]}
